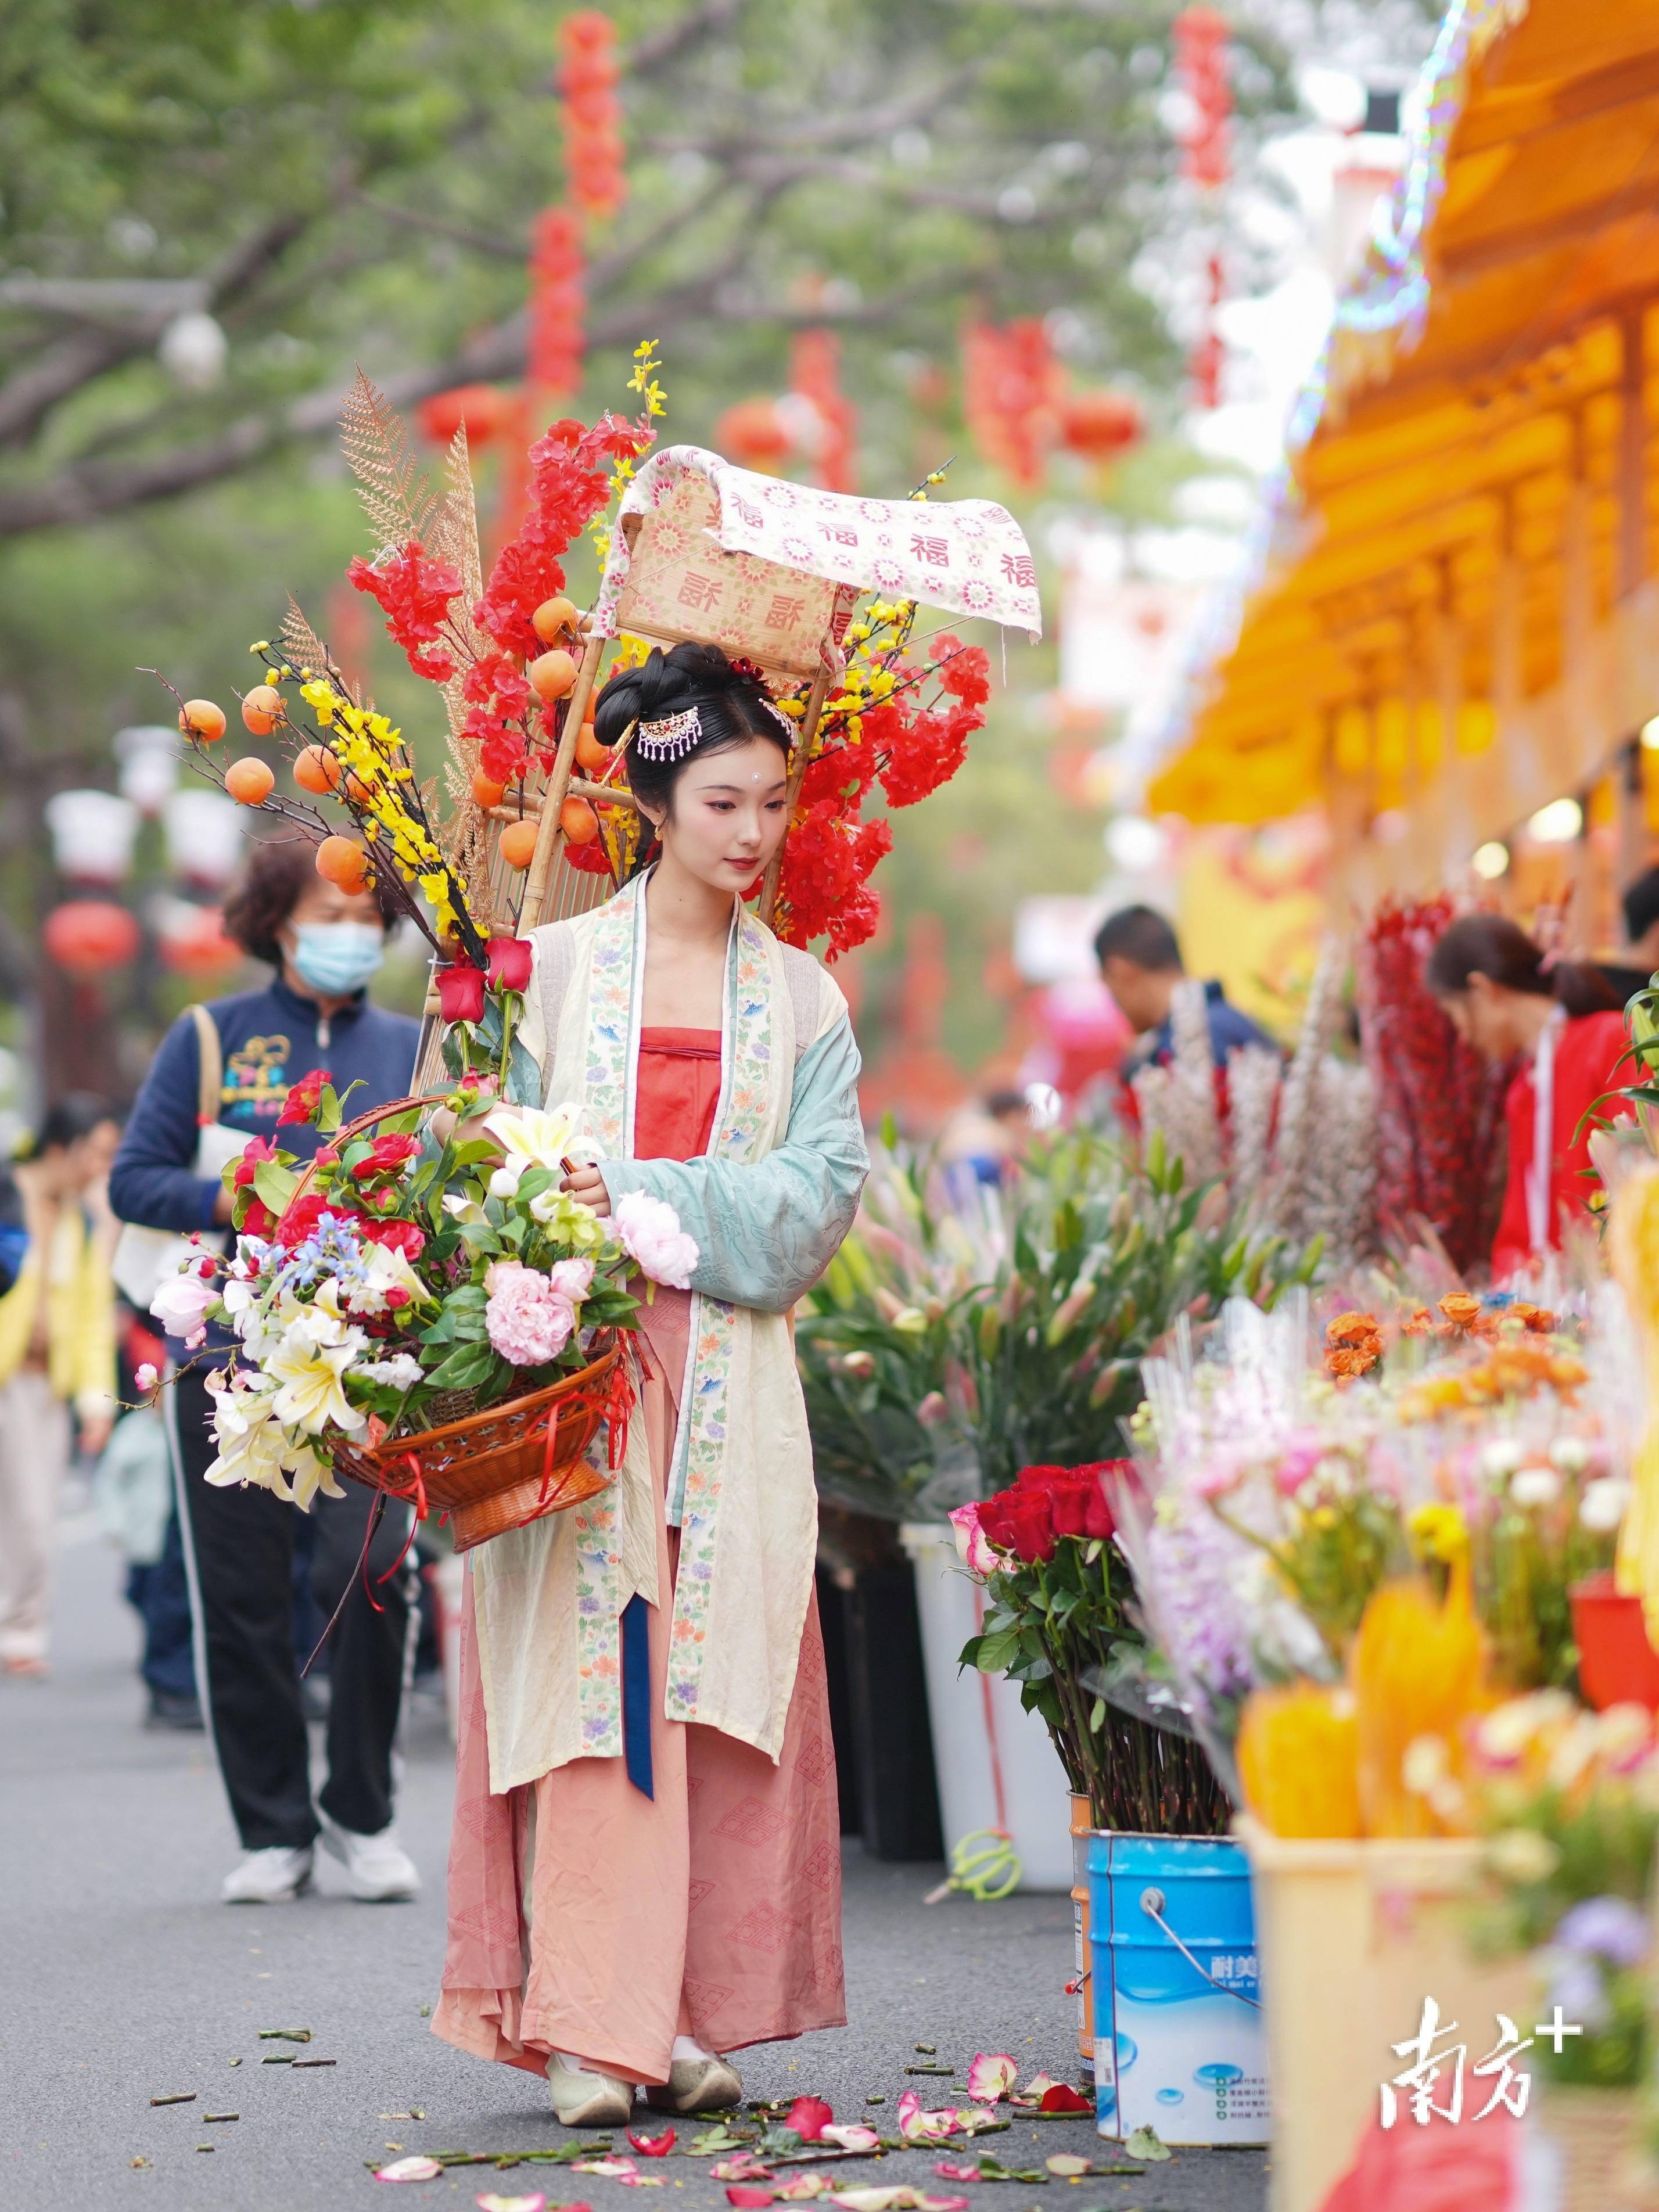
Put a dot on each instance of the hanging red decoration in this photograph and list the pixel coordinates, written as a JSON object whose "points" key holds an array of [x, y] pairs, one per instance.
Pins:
{"points": [[558, 301], [484, 408], [815, 377], [192, 941], [85, 936], [755, 433], [1100, 425], [1012, 386], [1201, 44], [592, 113]]}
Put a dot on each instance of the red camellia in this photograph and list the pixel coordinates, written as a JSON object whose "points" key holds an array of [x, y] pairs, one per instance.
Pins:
{"points": [[404, 1236], [257, 1149], [300, 1221], [461, 991], [510, 961], [385, 1155], [303, 1098]]}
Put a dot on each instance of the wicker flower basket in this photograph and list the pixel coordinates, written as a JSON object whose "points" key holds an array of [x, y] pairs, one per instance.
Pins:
{"points": [[510, 1464]]}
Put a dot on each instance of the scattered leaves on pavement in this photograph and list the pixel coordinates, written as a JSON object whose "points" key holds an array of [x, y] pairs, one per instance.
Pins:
{"points": [[1143, 2143]]}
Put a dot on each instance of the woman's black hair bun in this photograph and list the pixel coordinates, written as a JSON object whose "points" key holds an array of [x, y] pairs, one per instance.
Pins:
{"points": [[665, 684]]}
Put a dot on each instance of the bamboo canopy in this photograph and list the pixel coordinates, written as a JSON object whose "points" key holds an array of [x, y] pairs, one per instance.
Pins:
{"points": [[1450, 618]]}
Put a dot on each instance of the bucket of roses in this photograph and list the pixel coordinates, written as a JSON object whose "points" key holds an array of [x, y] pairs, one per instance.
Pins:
{"points": [[422, 1308]]}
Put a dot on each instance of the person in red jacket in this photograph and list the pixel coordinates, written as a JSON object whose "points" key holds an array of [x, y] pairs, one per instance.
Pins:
{"points": [[1563, 1023]]}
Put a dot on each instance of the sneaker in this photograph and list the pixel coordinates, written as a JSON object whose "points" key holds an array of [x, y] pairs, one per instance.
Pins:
{"points": [[273, 1876], [696, 2084], [169, 1709], [378, 1868], [585, 2098]]}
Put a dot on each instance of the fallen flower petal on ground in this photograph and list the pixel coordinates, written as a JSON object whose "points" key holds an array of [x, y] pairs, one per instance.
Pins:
{"points": [[1065, 2163], [1062, 2098], [991, 2075], [974, 2119], [957, 2169], [537, 2202], [899, 2198], [409, 2169], [1143, 2143], [748, 2197], [745, 2167], [652, 2146], [799, 2186], [1035, 2090], [809, 2117], [612, 2169], [852, 2138], [917, 2126]]}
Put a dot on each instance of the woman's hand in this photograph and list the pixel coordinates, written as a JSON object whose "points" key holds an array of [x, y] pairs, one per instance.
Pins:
{"points": [[445, 1126], [586, 1185]]}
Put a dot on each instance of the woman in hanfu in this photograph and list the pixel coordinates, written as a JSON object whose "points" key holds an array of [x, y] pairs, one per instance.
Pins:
{"points": [[645, 1871]]}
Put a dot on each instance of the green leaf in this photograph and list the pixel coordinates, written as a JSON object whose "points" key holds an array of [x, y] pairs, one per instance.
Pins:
{"points": [[524, 1078], [273, 1185], [1144, 2144], [997, 1652]]}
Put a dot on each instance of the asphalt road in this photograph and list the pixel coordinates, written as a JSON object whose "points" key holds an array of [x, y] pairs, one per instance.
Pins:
{"points": [[123, 1978]]}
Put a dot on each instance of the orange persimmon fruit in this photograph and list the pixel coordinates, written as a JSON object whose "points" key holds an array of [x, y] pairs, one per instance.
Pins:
{"points": [[486, 790], [249, 781], [201, 718], [519, 844], [553, 618], [315, 769], [590, 753], [262, 710], [579, 822], [552, 675], [342, 862]]}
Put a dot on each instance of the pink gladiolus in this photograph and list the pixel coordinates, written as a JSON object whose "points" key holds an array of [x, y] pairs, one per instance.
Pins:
{"points": [[809, 2117], [852, 2138], [976, 1555], [993, 2074]]}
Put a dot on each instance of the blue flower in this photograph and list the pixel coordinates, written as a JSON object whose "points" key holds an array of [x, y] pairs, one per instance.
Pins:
{"points": [[1606, 1928]]}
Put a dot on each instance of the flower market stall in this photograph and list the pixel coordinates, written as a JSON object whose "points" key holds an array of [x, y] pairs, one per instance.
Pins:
{"points": [[1449, 619]]}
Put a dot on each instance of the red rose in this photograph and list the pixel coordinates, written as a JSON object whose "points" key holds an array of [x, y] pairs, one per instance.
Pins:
{"points": [[385, 1155], [1107, 1477], [303, 1098], [1032, 1526], [1040, 1478], [994, 1521], [509, 963], [461, 991], [1069, 1497], [404, 1236]]}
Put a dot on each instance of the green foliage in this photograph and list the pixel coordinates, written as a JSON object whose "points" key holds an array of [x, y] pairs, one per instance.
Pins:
{"points": [[948, 1347]]}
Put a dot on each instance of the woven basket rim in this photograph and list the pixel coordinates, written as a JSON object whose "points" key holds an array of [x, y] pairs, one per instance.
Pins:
{"points": [[392, 1448]]}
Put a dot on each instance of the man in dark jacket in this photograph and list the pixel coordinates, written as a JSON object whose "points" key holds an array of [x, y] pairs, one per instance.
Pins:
{"points": [[1140, 964], [238, 1543]]}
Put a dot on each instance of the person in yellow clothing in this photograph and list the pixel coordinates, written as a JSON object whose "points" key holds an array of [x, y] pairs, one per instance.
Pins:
{"points": [[56, 1355]]}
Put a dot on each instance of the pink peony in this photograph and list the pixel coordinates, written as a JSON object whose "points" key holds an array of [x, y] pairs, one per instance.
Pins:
{"points": [[181, 1305], [648, 1229], [529, 1320]]}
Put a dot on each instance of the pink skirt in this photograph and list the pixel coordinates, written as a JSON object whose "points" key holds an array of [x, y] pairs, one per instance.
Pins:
{"points": [[586, 1917]]}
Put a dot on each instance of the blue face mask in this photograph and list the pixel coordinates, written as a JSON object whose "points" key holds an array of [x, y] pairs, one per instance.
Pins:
{"points": [[337, 957]]}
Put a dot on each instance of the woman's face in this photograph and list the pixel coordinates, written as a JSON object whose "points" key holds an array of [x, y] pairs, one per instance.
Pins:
{"points": [[728, 816], [321, 902], [1483, 1016]]}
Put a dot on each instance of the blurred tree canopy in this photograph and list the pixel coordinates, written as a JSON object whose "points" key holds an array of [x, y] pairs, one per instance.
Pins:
{"points": [[333, 182], [353, 179]]}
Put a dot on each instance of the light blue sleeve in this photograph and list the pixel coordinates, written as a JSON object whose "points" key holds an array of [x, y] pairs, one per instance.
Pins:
{"points": [[767, 1232]]}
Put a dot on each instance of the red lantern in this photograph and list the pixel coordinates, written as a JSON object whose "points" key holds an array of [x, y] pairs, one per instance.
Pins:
{"points": [[556, 301], [593, 150], [1201, 42], [485, 411], [754, 433], [191, 941], [85, 936], [1100, 425]]}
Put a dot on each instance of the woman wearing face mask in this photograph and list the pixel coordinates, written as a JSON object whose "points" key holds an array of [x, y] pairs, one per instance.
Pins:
{"points": [[325, 947], [645, 1873]]}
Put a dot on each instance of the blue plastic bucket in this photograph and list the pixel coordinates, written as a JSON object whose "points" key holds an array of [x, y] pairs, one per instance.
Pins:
{"points": [[1178, 2040]]}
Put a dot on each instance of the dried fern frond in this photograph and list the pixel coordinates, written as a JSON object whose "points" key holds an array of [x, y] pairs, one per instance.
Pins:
{"points": [[301, 646], [455, 527], [397, 497]]}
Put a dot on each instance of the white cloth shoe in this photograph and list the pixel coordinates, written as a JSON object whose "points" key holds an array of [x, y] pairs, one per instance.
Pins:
{"points": [[703, 2084], [378, 1870], [585, 2098], [273, 1876]]}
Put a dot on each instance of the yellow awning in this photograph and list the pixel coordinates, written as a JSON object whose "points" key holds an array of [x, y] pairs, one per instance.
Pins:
{"points": [[1450, 623]]}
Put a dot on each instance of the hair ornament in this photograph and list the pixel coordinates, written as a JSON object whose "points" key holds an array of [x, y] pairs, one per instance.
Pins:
{"points": [[670, 737], [755, 674]]}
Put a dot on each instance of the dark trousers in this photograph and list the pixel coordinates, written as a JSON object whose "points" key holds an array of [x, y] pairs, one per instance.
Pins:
{"points": [[239, 1550], [161, 1595]]}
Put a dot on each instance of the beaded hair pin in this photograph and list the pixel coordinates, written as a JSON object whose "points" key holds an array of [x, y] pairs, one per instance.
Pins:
{"points": [[675, 735]]}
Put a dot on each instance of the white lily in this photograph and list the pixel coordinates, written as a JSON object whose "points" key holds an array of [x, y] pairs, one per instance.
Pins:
{"points": [[310, 1387], [253, 1449], [530, 1137]]}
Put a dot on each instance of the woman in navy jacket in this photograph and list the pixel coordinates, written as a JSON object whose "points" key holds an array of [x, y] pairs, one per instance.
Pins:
{"points": [[238, 1544]]}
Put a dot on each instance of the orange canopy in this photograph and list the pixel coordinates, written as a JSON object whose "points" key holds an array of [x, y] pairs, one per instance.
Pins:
{"points": [[1449, 620]]}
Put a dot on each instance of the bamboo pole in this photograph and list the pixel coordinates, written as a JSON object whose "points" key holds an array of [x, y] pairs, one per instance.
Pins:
{"points": [[534, 911], [809, 726]]}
